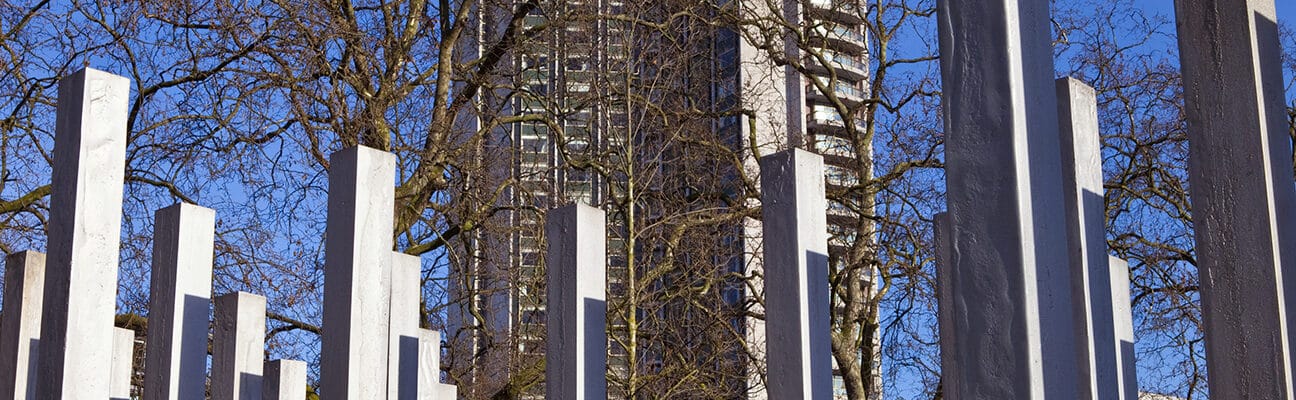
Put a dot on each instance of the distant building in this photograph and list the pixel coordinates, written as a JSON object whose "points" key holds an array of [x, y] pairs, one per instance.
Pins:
{"points": [[563, 71]]}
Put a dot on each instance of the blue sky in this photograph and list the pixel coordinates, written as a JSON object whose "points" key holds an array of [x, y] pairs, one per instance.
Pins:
{"points": [[1286, 9]]}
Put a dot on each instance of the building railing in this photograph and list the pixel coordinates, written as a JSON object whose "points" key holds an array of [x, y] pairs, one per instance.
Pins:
{"points": [[842, 91], [832, 119], [841, 32], [848, 10], [834, 146], [843, 61]]}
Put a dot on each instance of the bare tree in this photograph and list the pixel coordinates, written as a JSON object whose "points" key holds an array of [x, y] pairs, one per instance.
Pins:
{"points": [[885, 188], [1130, 59], [237, 104]]}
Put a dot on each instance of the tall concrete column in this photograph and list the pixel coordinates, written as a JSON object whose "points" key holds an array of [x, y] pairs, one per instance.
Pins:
{"points": [[1240, 176], [1009, 259], [84, 236], [180, 302], [284, 380], [797, 311], [238, 347], [403, 315], [576, 315], [945, 316], [20, 323], [1091, 286], [1123, 325], [123, 363], [357, 268]]}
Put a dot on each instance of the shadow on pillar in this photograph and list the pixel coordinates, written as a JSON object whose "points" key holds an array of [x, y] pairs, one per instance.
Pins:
{"points": [[407, 375], [596, 361], [194, 334], [249, 386], [33, 365], [1101, 315], [820, 318], [1270, 67], [1127, 368]]}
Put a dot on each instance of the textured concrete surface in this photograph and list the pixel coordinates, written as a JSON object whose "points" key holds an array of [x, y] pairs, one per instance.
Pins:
{"points": [[20, 323], [429, 368], [1008, 253], [404, 323], [284, 380], [238, 347], [1241, 189], [357, 268], [796, 276], [123, 360], [440, 391], [84, 232], [576, 314], [180, 302], [1126, 383], [945, 318], [1091, 286]]}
